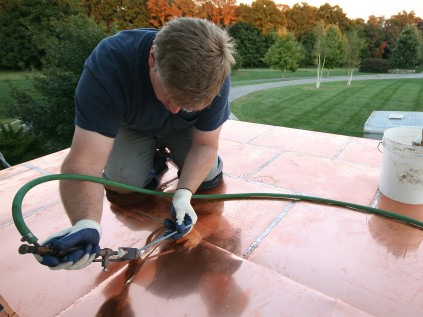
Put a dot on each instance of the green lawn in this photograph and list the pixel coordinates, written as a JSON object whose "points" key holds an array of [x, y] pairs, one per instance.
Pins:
{"points": [[17, 79], [247, 76], [333, 108], [8, 79]]}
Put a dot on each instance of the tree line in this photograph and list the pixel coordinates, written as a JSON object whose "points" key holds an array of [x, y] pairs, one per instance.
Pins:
{"points": [[28, 26], [56, 36]]}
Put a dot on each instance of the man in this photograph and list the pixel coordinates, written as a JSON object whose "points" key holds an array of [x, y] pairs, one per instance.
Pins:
{"points": [[142, 89]]}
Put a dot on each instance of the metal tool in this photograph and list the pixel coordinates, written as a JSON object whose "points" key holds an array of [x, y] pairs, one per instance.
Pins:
{"points": [[107, 255], [126, 254]]}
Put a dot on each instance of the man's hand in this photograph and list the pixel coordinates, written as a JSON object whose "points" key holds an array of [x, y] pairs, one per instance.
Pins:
{"points": [[82, 241], [182, 213]]}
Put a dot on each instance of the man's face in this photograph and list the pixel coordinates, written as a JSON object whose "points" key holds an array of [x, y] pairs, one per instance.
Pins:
{"points": [[160, 92], [158, 85]]}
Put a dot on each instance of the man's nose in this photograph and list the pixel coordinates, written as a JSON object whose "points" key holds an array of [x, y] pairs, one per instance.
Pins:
{"points": [[174, 109]]}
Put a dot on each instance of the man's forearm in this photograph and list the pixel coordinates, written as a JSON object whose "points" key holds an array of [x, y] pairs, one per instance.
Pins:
{"points": [[82, 200], [87, 156], [197, 165]]}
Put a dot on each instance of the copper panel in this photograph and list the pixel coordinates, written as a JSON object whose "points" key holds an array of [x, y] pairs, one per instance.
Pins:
{"points": [[323, 177], [397, 238], [25, 278], [242, 133], [362, 151], [334, 250], [36, 199], [344, 310], [252, 157], [10, 172], [232, 224], [204, 281], [13, 178], [250, 257], [49, 164], [302, 141]]}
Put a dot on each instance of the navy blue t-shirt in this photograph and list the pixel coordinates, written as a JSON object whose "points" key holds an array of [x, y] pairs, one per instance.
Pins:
{"points": [[115, 89]]}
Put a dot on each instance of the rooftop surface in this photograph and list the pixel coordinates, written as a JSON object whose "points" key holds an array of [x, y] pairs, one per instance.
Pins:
{"points": [[249, 257]]}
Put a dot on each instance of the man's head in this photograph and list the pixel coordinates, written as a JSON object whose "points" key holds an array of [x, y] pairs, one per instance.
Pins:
{"points": [[192, 57]]}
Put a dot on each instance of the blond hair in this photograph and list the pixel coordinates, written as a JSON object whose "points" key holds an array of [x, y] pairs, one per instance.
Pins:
{"points": [[193, 57]]}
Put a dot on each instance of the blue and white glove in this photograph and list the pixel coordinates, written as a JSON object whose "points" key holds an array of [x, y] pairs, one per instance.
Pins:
{"points": [[182, 212], [82, 241]]}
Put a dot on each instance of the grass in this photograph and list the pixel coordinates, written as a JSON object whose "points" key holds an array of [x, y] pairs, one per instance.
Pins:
{"points": [[247, 76], [333, 108], [7, 79], [17, 79]]}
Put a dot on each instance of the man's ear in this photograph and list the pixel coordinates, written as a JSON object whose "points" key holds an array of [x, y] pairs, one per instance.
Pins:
{"points": [[151, 58]]}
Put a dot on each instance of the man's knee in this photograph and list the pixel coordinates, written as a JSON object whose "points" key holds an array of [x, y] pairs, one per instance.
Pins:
{"points": [[131, 198], [215, 176]]}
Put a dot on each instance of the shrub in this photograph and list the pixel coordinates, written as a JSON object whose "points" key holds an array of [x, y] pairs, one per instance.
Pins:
{"points": [[17, 146], [47, 107], [375, 65], [407, 51]]}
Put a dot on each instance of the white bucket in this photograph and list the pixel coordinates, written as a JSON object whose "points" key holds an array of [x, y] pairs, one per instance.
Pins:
{"points": [[401, 176]]}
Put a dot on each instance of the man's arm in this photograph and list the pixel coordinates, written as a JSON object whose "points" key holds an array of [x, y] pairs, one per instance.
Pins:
{"points": [[83, 203], [200, 158], [88, 155], [197, 165]]}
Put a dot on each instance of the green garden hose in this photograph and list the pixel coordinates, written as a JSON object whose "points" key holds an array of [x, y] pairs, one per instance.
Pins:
{"points": [[28, 236]]}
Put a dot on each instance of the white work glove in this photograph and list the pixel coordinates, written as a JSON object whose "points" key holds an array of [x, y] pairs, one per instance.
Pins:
{"points": [[79, 246], [182, 212]]}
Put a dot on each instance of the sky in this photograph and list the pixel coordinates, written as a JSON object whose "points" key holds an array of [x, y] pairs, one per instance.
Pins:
{"points": [[363, 8]]}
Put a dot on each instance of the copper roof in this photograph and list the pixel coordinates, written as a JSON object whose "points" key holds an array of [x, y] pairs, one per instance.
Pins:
{"points": [[250, 257]]}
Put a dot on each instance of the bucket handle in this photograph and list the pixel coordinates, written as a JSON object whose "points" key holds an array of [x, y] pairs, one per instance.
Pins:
{"points": [[378, 147]]}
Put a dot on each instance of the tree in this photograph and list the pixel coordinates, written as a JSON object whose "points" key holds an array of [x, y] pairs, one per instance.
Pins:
{"points": [[375, 37], [285, 54], [161, 12], [320, 50], [185, 8], [301, 19], [222, 11], [17, 145], [263, 14], [251, 46], [134, 14], [25, 25], [107, 13], [205, 10], [407, 51], [47, 110], [355, 46], [308, 41], [335, 46], [266, 16], [394, 26], [333, 15], [243, 13]]}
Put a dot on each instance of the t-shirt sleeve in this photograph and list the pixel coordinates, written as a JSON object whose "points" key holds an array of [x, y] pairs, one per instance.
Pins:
{"points": [[95, 109], [218, 112]]}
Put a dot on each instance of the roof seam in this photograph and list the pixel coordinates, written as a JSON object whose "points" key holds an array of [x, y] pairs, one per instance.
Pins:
{"points": [[36, 168], [264, 234], [342, 148]]}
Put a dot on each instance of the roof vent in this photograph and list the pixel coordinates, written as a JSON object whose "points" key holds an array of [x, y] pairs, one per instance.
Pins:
{"points": [[396, 116], [379, 121]]}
